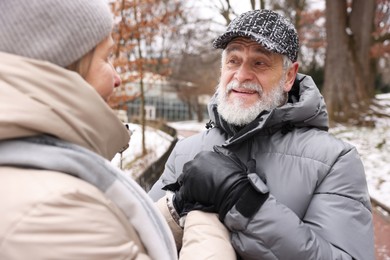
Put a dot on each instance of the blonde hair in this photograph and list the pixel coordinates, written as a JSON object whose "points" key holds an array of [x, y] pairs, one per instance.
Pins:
{"points": [[82, 65]]}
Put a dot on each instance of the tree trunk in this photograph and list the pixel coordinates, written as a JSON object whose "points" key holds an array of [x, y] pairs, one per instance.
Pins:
{"points": [[141, 82], [362, 26], [189, 106], [345, 89], [259, 4], [199, 111]]}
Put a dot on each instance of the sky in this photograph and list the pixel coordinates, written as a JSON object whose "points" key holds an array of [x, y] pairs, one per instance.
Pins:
{"points": [[239, 6], [371, 143]]}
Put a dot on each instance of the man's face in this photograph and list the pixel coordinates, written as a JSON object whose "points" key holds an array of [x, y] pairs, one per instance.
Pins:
{"points": [[252, 80]]}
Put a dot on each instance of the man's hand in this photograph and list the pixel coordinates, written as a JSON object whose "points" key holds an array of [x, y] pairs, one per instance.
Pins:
{"points": [[214, 182]]}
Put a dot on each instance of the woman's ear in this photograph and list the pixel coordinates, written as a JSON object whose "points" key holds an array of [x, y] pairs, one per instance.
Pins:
{"points": [[290, 76]]}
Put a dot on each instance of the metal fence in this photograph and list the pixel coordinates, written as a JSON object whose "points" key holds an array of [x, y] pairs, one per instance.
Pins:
{"points": [[167, 109]]}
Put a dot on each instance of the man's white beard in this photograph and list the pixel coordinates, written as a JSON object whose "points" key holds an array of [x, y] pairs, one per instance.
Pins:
{"points": [[235, 111]]}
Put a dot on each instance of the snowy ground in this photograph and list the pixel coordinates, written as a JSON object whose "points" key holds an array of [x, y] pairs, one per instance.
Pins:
{"points": [[372, 144], [157, 143]]}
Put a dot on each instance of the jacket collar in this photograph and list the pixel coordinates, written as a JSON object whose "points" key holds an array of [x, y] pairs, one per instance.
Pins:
{"points": [[43, 98], [305, 108]]}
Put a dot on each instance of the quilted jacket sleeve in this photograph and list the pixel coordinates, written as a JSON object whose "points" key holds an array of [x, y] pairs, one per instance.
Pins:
{"points": [[168, 176], [337, 223], [184, 151]]}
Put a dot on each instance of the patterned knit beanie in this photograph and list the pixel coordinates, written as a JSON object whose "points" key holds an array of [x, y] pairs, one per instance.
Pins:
{"points": [[58, 31], [267, 28]]}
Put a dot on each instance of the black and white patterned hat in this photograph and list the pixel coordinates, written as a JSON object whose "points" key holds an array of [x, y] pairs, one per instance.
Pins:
{"points": [[266, 27]]}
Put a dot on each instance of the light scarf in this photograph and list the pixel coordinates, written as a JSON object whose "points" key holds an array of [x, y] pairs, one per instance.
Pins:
{"points": [[46, 152]]}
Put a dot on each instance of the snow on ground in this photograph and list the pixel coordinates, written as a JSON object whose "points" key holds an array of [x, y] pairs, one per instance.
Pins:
{"points": [[374, 149], [156, 142], [371, 143]]}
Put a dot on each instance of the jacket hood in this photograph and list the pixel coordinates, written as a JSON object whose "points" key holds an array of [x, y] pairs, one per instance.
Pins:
{"points": [[38, 97], [305, 108]]}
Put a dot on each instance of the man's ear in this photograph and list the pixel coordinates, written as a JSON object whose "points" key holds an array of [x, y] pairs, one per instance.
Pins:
{"points": [[290, 76]]}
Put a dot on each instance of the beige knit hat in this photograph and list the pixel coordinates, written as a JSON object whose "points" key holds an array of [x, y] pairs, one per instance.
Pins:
{"points": [[58, 31]]}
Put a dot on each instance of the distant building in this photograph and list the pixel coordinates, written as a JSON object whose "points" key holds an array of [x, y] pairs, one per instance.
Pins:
{"points": [[161, 99]]}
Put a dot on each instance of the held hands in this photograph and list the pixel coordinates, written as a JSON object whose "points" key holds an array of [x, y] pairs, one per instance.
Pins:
{"points": [[215, 182]]}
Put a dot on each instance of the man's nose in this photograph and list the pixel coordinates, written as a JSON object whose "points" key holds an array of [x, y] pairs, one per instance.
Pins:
{"points": [[244, 73]]}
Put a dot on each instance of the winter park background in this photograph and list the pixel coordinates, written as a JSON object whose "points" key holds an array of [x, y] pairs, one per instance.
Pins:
{"points": [[371, 142]]}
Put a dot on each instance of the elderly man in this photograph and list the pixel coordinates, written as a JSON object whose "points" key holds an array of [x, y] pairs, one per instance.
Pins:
{"points": [[283, 186]]}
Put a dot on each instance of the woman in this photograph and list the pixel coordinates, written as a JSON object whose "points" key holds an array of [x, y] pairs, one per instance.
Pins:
{"points": [[60, 197]]}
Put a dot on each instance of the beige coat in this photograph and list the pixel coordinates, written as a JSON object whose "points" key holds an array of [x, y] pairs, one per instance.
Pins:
{"points": [[51, 215]]}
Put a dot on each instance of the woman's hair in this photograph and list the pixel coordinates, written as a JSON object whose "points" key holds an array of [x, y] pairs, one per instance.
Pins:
{"points": [[82, 65]]}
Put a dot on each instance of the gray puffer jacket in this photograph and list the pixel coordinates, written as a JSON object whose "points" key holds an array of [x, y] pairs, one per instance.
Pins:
{"points": [[318, 208]]}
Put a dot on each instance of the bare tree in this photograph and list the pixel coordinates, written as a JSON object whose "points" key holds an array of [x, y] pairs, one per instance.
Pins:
{"points": [[259, 4], [139, 32], [381, 45], [195, 64], [355, 46], [347, 70]]}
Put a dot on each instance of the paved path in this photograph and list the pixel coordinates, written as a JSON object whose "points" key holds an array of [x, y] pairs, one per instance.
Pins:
{"points": [[382, 234]]}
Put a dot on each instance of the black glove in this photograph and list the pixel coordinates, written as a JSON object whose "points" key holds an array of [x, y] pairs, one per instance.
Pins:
{"points": [[215, 182]]}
